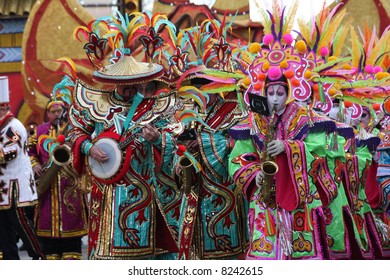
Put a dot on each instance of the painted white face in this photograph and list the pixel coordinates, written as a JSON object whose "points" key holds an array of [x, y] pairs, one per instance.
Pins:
{"points": [[276, 95]]}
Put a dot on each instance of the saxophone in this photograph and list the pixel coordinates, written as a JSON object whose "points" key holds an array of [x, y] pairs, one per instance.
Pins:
{"points": [[60, 157], [269, 166], [188, 174]]}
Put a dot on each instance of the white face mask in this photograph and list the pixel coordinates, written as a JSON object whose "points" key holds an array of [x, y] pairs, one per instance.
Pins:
{"points": [[277, 95]]}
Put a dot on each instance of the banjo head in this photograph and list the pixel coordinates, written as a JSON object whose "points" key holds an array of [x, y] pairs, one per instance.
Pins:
{"points": [[109, 168]]}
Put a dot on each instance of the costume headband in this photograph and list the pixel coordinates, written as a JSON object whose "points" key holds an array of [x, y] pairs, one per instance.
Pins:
{"points": [[276, 83], [53, 103]]}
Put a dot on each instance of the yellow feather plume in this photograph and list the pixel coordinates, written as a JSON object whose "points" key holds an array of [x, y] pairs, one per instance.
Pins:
{"points": [[340, 38], [334, 24], [290, 17], [355, 49], [380, 47], [304, 29]]}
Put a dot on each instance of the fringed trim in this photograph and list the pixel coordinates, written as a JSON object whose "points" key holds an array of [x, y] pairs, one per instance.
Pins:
{"points": [[371, 143], [383, 230], [285, 232], [345, 131], [295, 121], [301, 135], [258, 142], [327, 126], [240, 132]]}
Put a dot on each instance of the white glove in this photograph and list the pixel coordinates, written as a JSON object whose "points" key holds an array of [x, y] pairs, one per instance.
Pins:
{"points": [[376, 157], [275, 147], [259, 179]]}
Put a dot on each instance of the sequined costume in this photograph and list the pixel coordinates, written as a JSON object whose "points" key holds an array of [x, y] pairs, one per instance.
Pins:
{"points": [[18, 194], [62, 216], [292, 225], [213, 224], [126, 221]]}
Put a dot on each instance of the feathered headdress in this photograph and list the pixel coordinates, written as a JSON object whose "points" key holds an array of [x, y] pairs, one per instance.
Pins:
{"points": [[369, 83], [121, 37], [320, 42], [276, 58], [213, 62]]}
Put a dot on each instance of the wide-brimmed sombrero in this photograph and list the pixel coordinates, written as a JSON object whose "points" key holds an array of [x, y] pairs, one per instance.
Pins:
{"points": [[128, 71]]}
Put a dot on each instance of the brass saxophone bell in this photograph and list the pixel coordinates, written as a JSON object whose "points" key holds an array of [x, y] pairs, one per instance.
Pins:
{"points": [[269, 168], [188, 172], [61, 155]]}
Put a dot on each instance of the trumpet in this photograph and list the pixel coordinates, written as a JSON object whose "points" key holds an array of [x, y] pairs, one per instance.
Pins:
{"points": [[269, 166]]}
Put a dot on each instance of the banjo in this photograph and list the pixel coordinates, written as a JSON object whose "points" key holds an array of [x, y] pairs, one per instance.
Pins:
{"points": [[118, 150]]}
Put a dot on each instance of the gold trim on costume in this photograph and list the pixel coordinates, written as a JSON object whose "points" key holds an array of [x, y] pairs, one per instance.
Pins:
{"points": [[71, 256], [53, 257]]}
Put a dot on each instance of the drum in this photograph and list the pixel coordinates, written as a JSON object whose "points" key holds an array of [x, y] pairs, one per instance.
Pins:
{"points": [[109, 168], [112, 170]]}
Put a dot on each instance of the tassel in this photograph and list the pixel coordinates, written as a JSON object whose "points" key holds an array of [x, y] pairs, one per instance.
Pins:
{"points": [[353, 146], [340, 113], [270, 228], [241, 101], [321, 93], [335, 141], [285, 232], [331, 142], [308, 226], [310, 116], [327, 147], [383, 229]]}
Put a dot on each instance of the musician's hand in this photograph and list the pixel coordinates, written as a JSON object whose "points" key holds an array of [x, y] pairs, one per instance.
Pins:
{"points": [[150, 133], [259, 179], [98, 154], [375, 157], [192, 145], [178, 170], [275, 147], [38, 170]]}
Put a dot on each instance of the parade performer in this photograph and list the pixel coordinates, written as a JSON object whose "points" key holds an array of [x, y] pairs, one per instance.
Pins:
{"points": [[364, 88], [379, 198], [320, 45], [213, 222], [113, 129], [18, 194], [273, 152], [62, 218]]}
